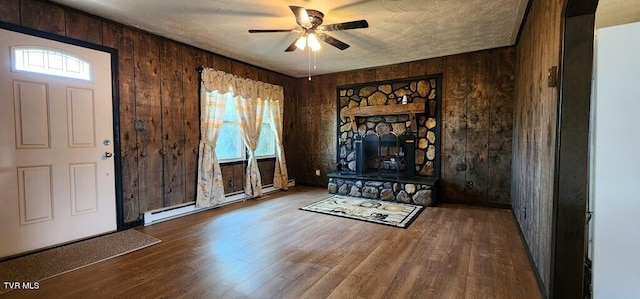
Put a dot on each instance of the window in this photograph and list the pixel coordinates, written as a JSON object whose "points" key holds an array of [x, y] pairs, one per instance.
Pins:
{"points": [[230, 147], [50, 62], [267, 143]]}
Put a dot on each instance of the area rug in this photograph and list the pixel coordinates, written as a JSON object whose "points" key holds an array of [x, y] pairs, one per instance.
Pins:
{"points": [[59, 260], [371, 210]]}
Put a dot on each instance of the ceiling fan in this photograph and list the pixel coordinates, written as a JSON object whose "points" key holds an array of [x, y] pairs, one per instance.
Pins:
{"points": [[310, 22]]}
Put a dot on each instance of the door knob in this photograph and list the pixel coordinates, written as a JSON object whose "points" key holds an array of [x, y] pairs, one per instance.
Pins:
{"points": [[107, 155]]}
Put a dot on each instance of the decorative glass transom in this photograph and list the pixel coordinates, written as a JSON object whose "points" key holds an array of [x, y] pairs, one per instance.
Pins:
{"points": [[49, 62]]}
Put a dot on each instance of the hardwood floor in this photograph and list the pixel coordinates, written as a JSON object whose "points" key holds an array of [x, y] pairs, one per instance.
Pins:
{"points": [[267, 248]]}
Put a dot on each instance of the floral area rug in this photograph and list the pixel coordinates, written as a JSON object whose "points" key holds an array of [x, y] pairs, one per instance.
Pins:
{"points": [[371, 210]]}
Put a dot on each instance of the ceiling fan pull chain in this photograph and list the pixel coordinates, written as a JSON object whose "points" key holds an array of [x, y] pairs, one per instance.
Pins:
{"points": [[309, 62]]}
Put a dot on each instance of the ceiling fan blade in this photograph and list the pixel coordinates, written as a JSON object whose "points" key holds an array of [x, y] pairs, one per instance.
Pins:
{"points": [[332, 41], [302, 17], [292, 47], [270, 30], [345, 25]]}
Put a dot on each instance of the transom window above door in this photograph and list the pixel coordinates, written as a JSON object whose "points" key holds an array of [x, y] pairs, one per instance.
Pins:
{"points": [[49, 61]]}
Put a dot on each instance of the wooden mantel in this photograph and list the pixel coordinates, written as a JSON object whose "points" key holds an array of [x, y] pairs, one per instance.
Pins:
{"points": [[411, 109]]}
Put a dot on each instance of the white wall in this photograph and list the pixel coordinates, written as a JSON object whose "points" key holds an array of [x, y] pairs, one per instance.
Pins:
{"points": [[615, 167]]}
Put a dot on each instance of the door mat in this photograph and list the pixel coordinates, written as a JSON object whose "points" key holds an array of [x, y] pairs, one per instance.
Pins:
{"points": [[59, 260]]}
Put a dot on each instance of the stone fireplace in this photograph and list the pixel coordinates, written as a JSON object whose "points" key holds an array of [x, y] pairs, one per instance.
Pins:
{"points": [[388, 140], [385, 155]]}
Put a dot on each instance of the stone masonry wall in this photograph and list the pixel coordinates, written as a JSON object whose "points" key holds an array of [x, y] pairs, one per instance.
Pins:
{"points": [[420, 194]]}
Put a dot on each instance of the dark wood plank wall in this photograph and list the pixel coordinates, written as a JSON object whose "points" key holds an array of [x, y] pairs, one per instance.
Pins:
{"points": [[534, 135], [173, 115], [158, 84], [478, 95]]}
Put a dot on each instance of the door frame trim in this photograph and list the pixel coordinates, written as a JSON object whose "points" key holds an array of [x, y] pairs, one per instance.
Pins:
{"points": [[117, 158]]}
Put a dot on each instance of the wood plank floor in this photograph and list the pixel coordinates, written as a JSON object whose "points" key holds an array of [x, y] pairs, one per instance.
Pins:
{"points": [[267, 248]]}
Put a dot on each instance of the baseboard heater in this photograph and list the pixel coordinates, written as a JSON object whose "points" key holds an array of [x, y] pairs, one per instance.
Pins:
{"points": [[163, 214]]}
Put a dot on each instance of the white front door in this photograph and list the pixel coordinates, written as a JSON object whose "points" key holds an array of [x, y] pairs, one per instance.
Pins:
{"points": [[57, 179]]}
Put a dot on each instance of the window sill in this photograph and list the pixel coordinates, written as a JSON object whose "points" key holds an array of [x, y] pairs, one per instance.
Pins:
{"points": [[235, 162]]}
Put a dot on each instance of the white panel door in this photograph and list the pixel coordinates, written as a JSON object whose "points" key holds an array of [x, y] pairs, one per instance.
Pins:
{"points": [[56, 183]]}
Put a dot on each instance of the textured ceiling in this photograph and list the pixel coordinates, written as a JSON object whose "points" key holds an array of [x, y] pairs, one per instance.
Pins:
{"points": [[399, 30]]}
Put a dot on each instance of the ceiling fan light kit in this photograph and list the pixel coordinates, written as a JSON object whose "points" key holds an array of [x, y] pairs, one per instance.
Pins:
{"points": [[311, 40], [313, 43], [310, 23], [301, 43]]}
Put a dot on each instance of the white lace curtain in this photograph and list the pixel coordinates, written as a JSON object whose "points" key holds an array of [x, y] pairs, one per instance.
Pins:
{"points": [[250, 98], [280, 177]]}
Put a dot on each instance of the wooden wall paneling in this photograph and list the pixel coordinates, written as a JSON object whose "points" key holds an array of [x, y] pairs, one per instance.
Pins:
{"points": [[501, 124], [222, 63], [83, 27], [313, 108], [272, 77], [243, 70], [207, 59], [299, 145], [320, 108], [400, 70], [478, 125], [383, 73], [322, 136], [238, 176], [418, 68], [43, 16], [148, 111], [435, 66], [341, 79], [327, 139], [172, 127], [115, 37], [454, 129], [238, 69], [227, 178], [363, 76], [534, 136], [10, 11], [251, 72], [304, 120], [120, 38], [266, 76], [290, 130], [192, 59], [267, 167]]}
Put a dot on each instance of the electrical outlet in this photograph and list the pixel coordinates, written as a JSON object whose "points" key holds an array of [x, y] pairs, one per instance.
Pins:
{"points": [[317, 172], [230, 183], [469, 184]]}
